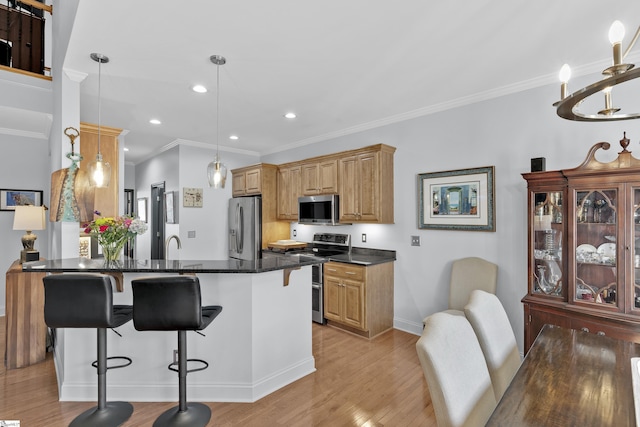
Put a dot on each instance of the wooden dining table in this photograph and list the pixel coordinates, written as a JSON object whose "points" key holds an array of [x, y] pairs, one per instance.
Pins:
{"points": [[571, 378]]}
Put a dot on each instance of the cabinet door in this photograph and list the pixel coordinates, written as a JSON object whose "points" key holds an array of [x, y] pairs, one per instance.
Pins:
{"points": [[253, 182], [310, 185], [328, 176], [539, 318], [295, 177], [548, 269], [348, 189], [332, 298], [284, 193], [368, 189], [597, 249], [634, 218], [238, 184], [354, 304]]}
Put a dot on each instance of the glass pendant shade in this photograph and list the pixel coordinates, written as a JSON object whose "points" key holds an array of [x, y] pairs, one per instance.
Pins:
{"points": [[217, 174], [100, 172]]}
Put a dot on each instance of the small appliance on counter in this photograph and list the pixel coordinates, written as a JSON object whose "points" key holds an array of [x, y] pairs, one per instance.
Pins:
{"points": [[245, 228]]}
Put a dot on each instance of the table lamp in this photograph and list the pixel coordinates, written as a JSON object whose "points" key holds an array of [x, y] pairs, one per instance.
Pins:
{"points": [[29, 218]]}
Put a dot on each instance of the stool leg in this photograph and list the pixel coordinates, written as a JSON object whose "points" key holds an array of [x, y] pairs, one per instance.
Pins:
{"points": [[106, 414], [186, 414]]}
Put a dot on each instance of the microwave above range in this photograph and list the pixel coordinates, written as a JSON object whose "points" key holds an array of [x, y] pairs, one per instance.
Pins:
{"points": [[319, 210]]}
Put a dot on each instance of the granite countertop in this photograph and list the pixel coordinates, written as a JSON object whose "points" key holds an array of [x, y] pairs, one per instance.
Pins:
{"points": [[364, 256], [270, 262]]}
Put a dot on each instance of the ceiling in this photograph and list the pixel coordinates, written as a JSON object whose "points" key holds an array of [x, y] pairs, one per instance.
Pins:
{"points": [[342, 66]]}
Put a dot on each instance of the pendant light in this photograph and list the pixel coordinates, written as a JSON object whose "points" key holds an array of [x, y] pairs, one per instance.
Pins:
{"points": [[217, 171], [99, 170]]}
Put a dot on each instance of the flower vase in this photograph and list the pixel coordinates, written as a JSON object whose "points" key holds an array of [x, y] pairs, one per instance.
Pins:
{"points": [[112, 251]]}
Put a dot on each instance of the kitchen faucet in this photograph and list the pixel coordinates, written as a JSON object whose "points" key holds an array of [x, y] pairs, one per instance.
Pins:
{"points": [[166, 248]]}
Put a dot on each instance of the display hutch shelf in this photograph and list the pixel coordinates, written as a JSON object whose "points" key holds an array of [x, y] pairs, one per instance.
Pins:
{"points": [[584, 247]]}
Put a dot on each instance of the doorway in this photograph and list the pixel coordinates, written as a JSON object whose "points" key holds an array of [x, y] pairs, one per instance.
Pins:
{"points": [[128, 210], [157, 220]]}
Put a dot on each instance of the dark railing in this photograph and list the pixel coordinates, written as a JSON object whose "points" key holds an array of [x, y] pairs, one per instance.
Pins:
{"points": [[22, 33]]}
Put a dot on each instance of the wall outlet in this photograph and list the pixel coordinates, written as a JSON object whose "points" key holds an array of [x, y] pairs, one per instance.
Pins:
{"points": [[191, 234], [415, 240], [295, 233], [364, 238], [175, 356]]}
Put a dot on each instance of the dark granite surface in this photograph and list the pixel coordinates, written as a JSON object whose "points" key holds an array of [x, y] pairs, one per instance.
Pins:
{"points": [[365, 256], [269, 262]]}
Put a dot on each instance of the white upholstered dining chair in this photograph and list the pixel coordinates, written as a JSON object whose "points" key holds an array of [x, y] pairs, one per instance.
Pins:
{"points": [[491, 325], [456, 372], [467, 275]]}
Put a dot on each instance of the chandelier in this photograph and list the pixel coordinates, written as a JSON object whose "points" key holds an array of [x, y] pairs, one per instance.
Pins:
{"points": [[569, 105]]}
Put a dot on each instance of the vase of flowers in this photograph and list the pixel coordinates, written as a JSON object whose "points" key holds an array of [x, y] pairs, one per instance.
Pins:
{"points": [[113, 232]]}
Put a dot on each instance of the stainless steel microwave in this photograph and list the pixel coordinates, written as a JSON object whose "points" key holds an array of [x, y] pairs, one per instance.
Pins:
{"points": [[319, 210]]}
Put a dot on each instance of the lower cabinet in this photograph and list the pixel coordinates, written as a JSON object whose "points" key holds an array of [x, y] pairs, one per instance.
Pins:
{"points": [[358, 298], [537, 315]]}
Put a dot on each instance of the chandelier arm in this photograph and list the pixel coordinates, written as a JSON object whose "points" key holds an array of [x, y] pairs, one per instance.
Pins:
{"points": [[633, 41], [566, 108]]}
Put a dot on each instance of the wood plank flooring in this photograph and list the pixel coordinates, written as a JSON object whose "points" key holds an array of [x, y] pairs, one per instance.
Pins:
{"points": [[358, 382]]}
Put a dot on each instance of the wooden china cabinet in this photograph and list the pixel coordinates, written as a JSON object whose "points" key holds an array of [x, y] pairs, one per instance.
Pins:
{"points": [[584, 247]]}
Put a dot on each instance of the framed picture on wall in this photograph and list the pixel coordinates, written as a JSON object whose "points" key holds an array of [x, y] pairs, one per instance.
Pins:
{"points": [[9, 199], [170, 207], [457, 200]]}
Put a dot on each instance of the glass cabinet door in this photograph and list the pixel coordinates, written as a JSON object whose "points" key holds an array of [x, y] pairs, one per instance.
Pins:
{"points": [[547, 250], [636, 247], [596, 247]]}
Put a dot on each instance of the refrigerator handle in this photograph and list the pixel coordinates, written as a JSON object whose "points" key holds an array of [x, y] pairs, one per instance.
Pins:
{"points": [[240, 234]]}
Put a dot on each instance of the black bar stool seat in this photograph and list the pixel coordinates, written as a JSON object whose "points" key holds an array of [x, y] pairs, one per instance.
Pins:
{"points": [[86, 301], [175, 304]]}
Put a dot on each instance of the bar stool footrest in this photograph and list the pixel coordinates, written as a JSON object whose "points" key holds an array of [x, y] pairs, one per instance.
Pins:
{"points": [[204, 362], [127, 362]]}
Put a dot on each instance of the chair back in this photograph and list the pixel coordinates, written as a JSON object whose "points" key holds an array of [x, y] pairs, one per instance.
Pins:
{"points": [[497, 340], [455, 370], [169, 303], [74, 300], [468, 274]]}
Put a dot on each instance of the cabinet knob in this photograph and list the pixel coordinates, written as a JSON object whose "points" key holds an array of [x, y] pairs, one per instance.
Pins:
{"points": [[584, 329], [601, 333]]}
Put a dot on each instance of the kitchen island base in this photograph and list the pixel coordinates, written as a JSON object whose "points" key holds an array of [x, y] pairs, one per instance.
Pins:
{"points": [[259, 343]]}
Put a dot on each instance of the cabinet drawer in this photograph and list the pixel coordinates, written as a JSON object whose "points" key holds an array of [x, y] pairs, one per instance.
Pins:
{"points": [[605, 329], [346, 271]]}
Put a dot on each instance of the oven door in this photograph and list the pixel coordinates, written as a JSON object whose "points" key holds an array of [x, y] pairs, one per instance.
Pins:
{"points": [[317, 297]]}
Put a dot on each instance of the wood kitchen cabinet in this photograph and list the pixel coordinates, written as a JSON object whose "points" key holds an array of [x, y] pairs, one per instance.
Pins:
{"points": [[358, 298], [289, 181], [26, 331], [584, 247], [320, 177], [106, 200], [366, 185], [261, 180]]}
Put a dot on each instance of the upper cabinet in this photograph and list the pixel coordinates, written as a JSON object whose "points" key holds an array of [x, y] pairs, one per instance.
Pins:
{"points": [[320, 177], [366, 185], [289, 189], [584, 247], [247, 181], [105, 199]]}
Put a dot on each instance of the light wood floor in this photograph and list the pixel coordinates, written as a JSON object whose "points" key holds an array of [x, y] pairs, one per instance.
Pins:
{"points": [[357, 383]]}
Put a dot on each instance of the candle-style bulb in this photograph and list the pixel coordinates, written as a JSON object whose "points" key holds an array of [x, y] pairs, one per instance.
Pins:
{"points": [[616, 32], [565, 73]]}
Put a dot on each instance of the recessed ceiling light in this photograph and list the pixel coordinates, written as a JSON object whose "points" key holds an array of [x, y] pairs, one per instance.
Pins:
{"points": [[199, 89], [234, 137], [290, 115], [155, 122]]}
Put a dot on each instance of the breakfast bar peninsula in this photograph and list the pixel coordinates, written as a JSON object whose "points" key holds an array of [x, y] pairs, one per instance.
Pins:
{"points": [[258, 344]]}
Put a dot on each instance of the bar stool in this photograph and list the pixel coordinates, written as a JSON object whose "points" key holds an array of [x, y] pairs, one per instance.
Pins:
{"points": [[86, 301], [175, 304]]}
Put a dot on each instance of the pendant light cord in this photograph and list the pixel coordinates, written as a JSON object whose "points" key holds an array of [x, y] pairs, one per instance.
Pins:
{"points": [[99, 104], [217, 112]]}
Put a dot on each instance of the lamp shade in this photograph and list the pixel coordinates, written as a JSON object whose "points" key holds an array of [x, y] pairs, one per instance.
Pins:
{"points": [[29, 218]]}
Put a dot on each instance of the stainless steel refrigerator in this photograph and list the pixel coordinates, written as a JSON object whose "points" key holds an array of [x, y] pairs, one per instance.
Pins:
{"points": [[245, 228]]}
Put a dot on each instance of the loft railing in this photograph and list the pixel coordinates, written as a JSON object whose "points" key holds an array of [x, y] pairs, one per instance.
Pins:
{"points": [[22, 36]]}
